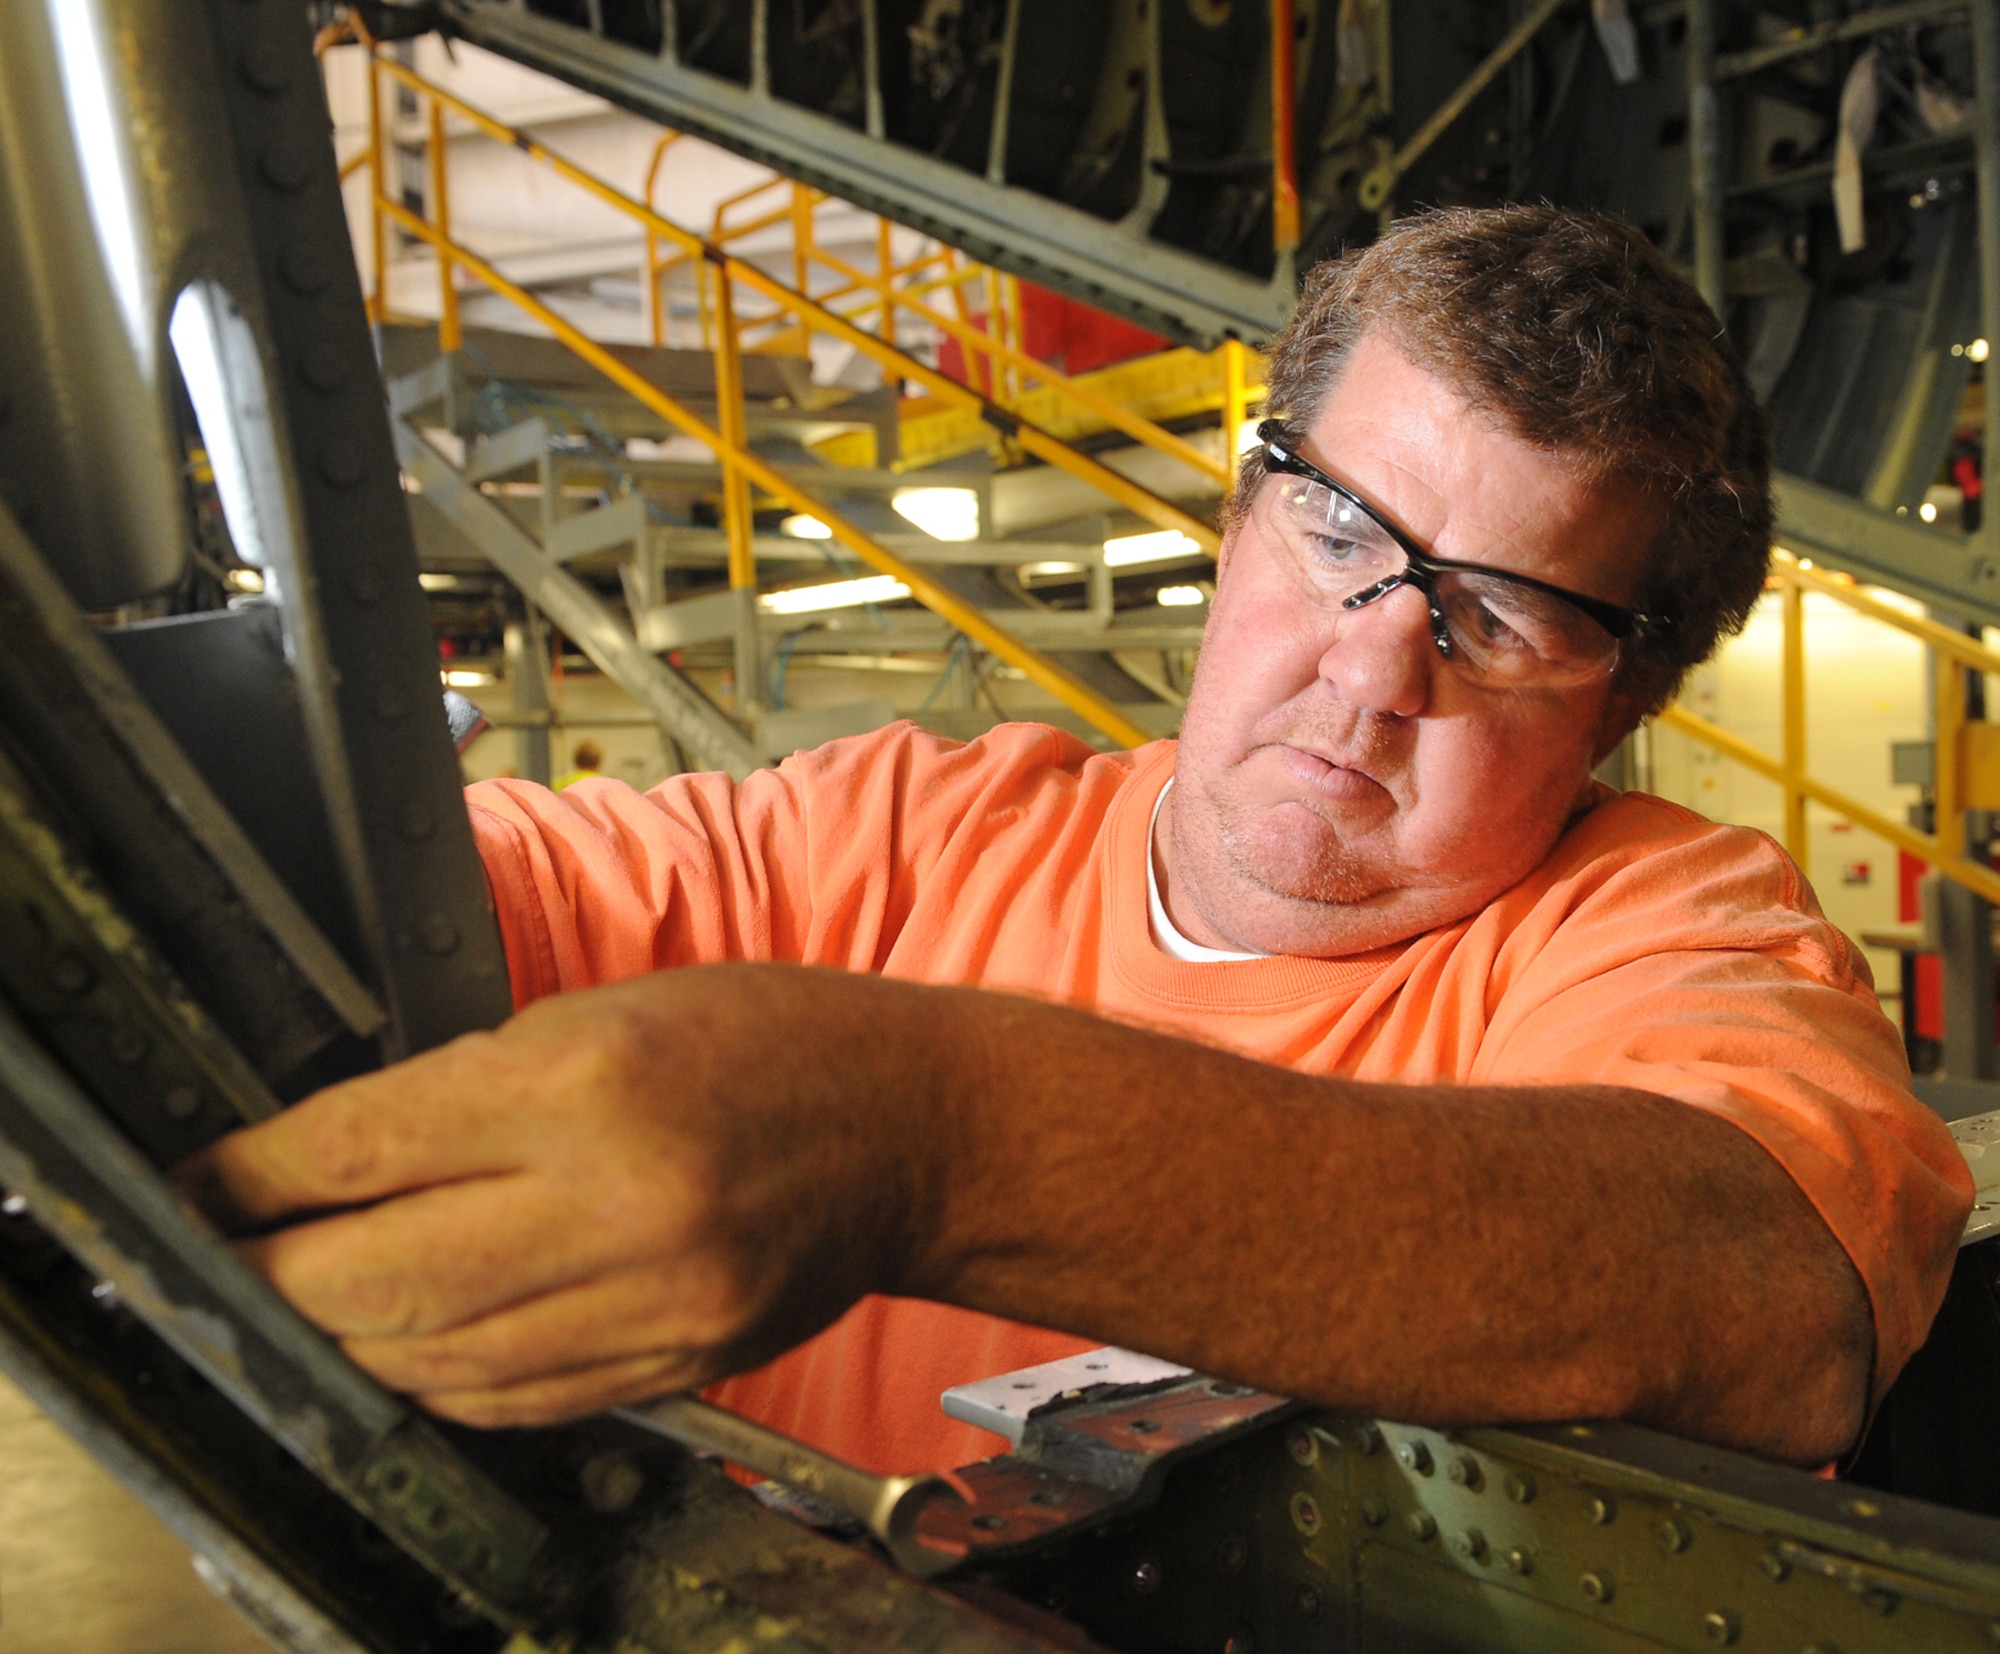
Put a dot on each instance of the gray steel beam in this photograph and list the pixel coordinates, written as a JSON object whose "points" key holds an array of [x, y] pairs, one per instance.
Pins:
{"points": [[682, 710], [1946, 570], [1162, 288]]}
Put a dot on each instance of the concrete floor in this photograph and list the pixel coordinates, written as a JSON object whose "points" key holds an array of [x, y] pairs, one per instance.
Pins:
{"points": [[84, 1567]]}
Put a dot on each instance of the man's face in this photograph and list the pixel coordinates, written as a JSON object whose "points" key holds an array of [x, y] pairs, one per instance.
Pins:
{"points": [[1340, 784]]}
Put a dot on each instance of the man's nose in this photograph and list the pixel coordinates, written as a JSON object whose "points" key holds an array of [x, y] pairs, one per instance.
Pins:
{"points": [[1382, 655]]}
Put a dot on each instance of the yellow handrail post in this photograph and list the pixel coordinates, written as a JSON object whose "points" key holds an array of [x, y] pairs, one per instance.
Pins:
{"points": [[450, 335], [737, 520], [885, 264], [802, 237], [1793, 671], [378, 303], [656, 299], [1947, 785], [1235, 405]]}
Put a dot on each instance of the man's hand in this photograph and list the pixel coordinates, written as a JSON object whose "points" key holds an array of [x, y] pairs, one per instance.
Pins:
{"points": [[621, 1192]]}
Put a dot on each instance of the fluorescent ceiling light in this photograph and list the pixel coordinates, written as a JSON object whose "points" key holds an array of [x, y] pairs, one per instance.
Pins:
{"points": [[466, 678], [1181, 597], [802, 527], [1977, 350], [836, 594], [942, 513], [1160, 546], [438, 582], [1048, 571], [1927, 511]]}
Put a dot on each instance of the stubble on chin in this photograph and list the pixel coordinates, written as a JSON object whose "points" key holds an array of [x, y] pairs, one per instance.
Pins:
{"points": [[1300, 861]]}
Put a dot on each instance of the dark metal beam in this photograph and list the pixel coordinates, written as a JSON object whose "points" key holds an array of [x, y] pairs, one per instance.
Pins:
{"points": [[1172, 292]]}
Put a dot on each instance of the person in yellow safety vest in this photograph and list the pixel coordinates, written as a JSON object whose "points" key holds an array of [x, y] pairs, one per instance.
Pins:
{"points": [[587, 760]]}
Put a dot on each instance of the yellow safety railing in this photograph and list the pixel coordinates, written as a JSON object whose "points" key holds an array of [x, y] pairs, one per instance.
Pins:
{"points": [[742, 468], [1964, 774]]}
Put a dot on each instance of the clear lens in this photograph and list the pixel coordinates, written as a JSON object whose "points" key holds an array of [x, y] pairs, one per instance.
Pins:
{"points": [[1336, 549], [1500, 628]]}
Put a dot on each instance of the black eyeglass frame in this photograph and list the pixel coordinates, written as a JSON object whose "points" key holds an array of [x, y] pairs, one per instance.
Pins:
{"points": [[1621, 623]]}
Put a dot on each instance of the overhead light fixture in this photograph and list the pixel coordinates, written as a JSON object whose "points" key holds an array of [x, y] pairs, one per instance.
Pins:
{"points": [[438, 582], [1160, 546], [1181, 597], [942, 513], [244, 580], [1049, 571], [1927, 511], [466, 677], [1977, 350], [801, 527], [835, 594]]}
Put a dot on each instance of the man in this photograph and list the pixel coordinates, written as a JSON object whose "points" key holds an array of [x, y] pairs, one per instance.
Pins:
{"points": [[1430, 1077]]}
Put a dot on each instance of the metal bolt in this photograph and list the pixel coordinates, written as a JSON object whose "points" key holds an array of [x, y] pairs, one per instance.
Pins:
{"points": [[71, 974], [1775, 1567], [1146, 1578], [1672, 1536], [1365, 1438], [285, 164], [439, 936], [1303, 1446], [1422, 1525], [1883, 1602], [438, 1518], [106, 1293], [1311, 1603], [1597, 1587], [182, 1102], [340, 462], [1519, 1562], [1413, 1455], [1520, 1487], [398, 1479], [1603, 1510], [1046, 1496], [267, 66], [326, 367], [1470, 1544], [305, 269], [1721, 1627], [1463, 1471], [1373, 1511], [1305, 1514], [129, 1045], [1231, 1555]]}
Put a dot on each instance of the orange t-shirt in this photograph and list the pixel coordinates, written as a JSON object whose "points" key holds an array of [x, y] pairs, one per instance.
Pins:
{"points": [[1651, 949]]}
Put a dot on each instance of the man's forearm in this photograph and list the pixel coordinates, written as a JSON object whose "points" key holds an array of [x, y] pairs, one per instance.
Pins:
{"points": [[1444, 1253]]}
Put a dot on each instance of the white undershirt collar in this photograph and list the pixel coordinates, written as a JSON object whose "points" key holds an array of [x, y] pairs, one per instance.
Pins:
{"points": [[1167, 936]]}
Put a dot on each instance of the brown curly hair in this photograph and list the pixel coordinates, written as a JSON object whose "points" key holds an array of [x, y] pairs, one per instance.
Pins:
{"points": [[1573, 332]]}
